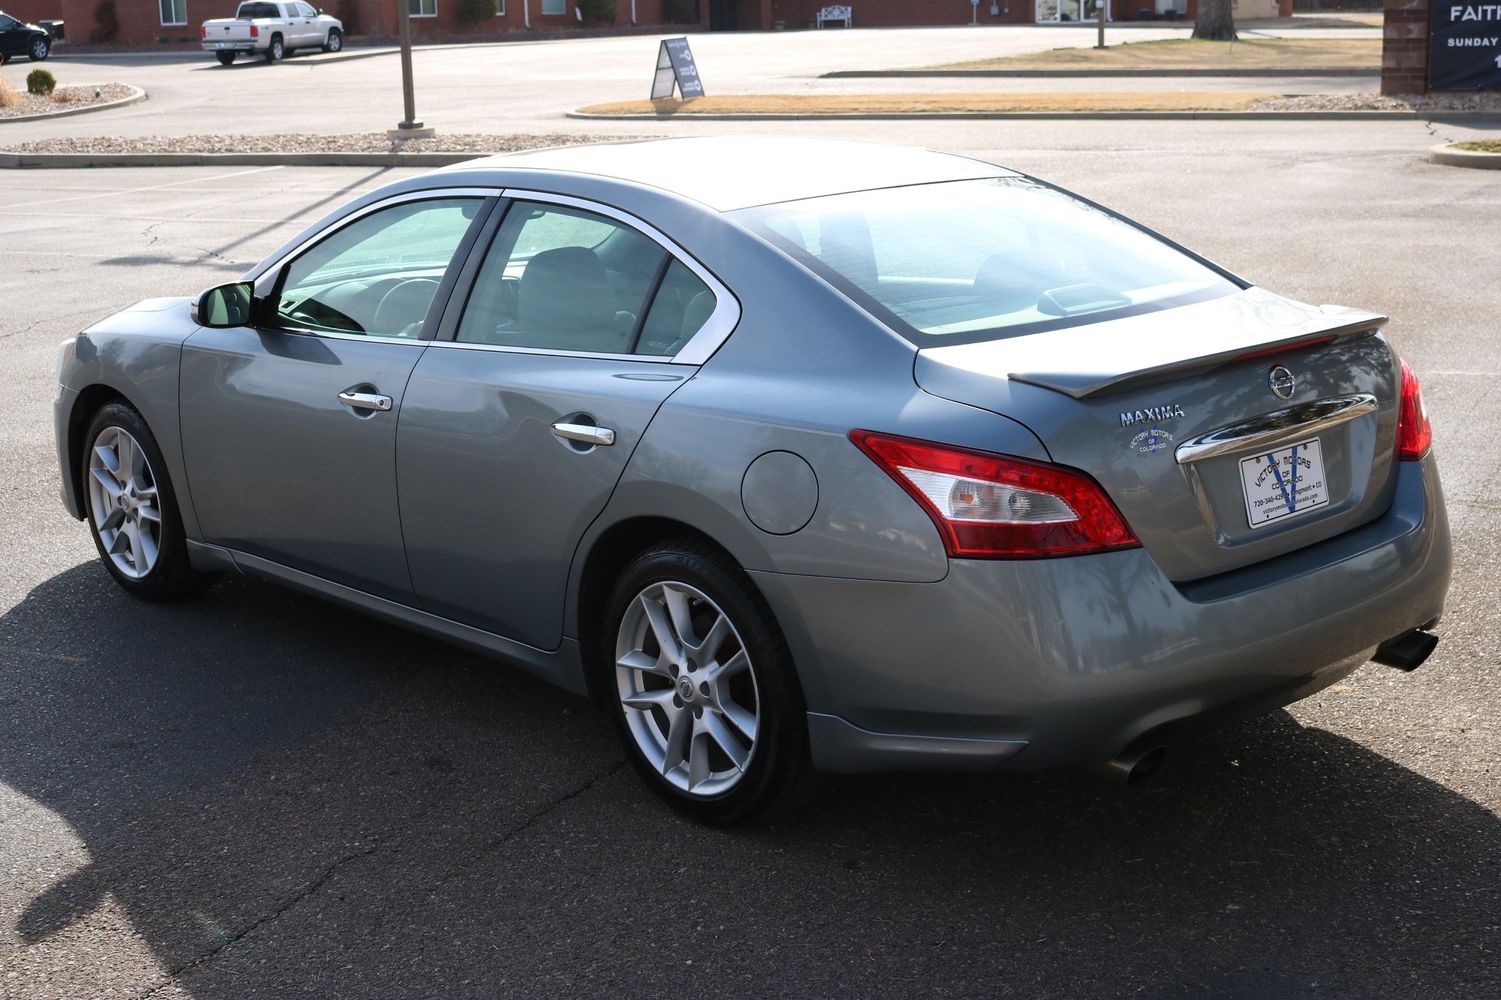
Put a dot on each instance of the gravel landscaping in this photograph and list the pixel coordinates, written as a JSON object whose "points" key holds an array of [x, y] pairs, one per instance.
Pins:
{"points": [[64, 99], [1375, 102], [366, 142]]}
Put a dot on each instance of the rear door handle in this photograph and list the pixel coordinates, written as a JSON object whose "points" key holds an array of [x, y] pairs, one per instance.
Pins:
{"points": [[585, 433], [365, 400]]}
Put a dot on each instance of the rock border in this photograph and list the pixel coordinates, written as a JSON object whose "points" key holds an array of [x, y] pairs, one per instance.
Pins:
{"points": [[1446, 154], [82, 109], [23, 161]]}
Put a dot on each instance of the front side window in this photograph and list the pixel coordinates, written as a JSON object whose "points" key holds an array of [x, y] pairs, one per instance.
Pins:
{"points": [[978, 260], [306, 10], [377, 276], [564, 279], [174, 12], [554, 6], [422, 8], [8, 23]]}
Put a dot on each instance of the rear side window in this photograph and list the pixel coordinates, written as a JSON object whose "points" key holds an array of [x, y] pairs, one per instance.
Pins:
{"points": [[558, 278], [976, 260]]}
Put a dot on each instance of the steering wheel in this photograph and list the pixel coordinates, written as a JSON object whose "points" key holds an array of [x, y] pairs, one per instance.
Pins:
{"points": [[404, 306]]}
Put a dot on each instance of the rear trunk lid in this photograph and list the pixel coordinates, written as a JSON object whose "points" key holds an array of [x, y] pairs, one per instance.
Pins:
{"points": [[1217, 457]]}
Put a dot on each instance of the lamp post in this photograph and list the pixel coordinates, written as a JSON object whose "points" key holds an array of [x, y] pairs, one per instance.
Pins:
{"points": [[409, 127]]}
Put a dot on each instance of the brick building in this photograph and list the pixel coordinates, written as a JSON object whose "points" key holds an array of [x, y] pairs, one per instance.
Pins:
{"points": [[140, 22]]}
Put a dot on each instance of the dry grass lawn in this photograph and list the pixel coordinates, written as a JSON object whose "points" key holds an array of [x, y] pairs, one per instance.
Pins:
{"points": [[1187, 53], [9, 96], [846, 104], [1480, 146]]}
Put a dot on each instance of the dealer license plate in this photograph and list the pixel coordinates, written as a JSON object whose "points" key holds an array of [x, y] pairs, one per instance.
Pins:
{"points": [[224, 45], [1284, 482]]}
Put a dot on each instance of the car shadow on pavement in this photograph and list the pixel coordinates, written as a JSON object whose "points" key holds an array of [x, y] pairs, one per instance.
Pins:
{"points": [[257, 794]]}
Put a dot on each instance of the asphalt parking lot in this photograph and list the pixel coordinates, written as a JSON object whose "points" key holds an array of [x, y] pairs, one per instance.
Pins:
{"points": [[257, 795]]}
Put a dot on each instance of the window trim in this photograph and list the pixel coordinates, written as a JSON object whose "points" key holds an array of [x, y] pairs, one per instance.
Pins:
{"points": [[267, 284], [699, 348], [173, 24], [419, 4]]}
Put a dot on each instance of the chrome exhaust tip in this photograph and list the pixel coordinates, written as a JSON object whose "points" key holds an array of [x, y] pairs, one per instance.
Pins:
{"points": [[1135, 765]]}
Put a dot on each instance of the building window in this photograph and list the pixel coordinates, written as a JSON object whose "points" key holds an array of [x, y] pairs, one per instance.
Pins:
{"points": [[500, 8], [174, 12], [422, 8], [554, 6]]}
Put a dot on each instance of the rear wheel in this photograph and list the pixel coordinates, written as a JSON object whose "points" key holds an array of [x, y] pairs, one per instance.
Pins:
{"points": [[701, 686], [335, 41], [132, 509], [40, 49], [225, 58], [276, 51]]}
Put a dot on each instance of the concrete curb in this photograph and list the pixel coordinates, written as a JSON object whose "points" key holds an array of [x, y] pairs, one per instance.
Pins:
{"points": [[13, 161], [1451, 157], [900, 74], [1426, 116], [82, 109]]}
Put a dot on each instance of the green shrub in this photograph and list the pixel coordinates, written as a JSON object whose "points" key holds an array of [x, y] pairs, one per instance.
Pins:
{"points": [[40, 82], [106, 22], [679, 11], [474, 11], [599, 10]]}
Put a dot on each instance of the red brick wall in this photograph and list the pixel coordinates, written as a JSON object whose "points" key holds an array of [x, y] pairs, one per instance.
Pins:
{"points": [[1404, 48], [378, 17], [33, 10], [139, 20]]}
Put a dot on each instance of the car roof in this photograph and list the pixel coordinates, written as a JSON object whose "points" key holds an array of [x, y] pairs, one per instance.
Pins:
{"points": [[731, 172]]}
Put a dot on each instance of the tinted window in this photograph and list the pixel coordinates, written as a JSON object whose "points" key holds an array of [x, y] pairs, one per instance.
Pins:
{"points": [[376, 276], [562, 279], [973, 260], [682, 306], [251, 11], [7, 23]]}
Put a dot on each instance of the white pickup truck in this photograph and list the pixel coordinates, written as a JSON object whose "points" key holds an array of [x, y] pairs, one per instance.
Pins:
{"points": [[272, 30]]}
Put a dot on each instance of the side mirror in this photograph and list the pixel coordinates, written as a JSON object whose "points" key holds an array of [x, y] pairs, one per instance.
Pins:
{"points": [[225, 306]]}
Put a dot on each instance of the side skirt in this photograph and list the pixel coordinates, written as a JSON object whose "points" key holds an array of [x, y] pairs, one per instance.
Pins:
{"points": [[561, 666]]}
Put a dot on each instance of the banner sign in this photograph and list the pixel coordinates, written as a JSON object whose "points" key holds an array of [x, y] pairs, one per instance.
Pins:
{"points": [[1464, 46], [675, 66]]}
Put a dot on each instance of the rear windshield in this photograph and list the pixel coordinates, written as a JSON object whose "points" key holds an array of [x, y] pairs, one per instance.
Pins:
{"points": [[977, 260], [252, 11]]}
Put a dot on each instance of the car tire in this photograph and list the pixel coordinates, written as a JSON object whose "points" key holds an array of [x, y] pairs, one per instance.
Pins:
{"points": [[131, 508], [700, 683], [225, 58], [335, 42], [40, 49], [276, 50]]}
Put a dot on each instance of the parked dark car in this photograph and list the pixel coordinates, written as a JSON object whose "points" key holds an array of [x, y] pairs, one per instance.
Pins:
{"points": [[21, 38]]}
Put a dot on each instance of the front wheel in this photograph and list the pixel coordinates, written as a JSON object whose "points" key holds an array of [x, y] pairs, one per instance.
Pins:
{"points": [[335, 41], [276, 51], [132, 508], [225, 58], [701, 686], [40, 49]]}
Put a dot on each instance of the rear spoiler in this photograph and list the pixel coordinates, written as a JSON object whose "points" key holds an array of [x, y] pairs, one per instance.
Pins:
{"points": [[1080, 383]]}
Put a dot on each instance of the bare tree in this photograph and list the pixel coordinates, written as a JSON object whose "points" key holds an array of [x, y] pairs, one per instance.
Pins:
{"points": [[1215, 21]]}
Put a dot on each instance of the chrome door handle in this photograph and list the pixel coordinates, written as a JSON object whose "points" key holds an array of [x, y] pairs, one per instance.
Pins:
{"points": [[585, 433], [365, 400], [1280, 425]]}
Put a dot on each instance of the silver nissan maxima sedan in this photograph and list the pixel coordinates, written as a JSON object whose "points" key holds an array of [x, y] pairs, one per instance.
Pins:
{"points": [[797, 456]]}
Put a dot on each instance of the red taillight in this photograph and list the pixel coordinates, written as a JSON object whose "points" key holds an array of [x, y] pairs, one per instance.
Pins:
{"points": [[203, 31], [1414, 433], [255, 31], [996, 507]]}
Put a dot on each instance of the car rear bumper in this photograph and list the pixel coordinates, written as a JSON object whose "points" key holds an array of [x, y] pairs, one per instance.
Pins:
{"points": [[1045, 663]]}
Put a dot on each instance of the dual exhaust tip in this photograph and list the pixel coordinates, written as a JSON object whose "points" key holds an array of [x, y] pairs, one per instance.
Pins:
{"points": [[1137, 764]]}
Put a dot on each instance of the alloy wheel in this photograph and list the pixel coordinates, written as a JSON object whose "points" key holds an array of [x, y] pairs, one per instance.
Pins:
{"points": [[124, 502], [687, 686]]}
